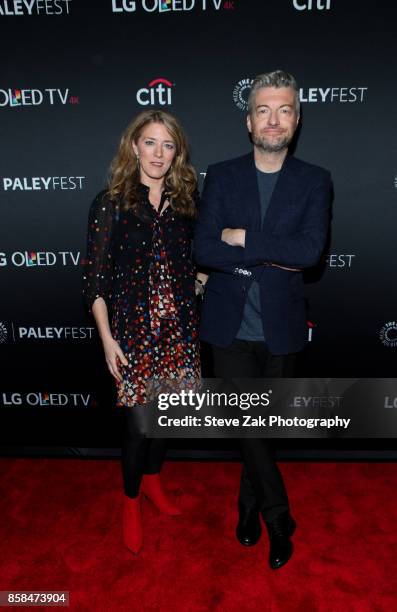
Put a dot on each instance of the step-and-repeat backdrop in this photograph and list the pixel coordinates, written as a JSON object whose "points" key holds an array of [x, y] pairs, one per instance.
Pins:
{"points": [[74, 73]]}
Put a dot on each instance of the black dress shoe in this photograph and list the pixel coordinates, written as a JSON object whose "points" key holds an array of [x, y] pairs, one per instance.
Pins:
{"points": [[280, 530], [249, 528]]}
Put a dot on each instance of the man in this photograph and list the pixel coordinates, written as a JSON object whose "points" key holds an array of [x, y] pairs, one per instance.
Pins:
{"points": [[263, 219]]}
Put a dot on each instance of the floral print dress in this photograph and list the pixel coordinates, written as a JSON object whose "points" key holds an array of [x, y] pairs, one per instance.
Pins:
{"points": [[140, 264]]}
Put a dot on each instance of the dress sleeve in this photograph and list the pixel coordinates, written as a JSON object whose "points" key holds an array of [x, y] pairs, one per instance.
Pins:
{"points": [[197, 202], [99, 262]]}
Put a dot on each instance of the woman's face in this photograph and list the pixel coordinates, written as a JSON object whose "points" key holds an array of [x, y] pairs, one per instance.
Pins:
{"points": [[156, 150]]}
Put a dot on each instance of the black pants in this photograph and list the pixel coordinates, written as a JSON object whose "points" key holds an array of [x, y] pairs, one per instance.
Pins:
{"points": [[139, 454], [262, 485]]}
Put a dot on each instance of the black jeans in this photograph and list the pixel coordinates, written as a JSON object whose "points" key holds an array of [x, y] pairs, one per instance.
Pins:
{"points": [[139, 454], [261, 485]]}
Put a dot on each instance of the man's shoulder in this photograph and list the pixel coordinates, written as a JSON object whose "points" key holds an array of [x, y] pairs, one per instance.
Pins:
{"points": [[230, 164], [305, 169], [301, 168]]}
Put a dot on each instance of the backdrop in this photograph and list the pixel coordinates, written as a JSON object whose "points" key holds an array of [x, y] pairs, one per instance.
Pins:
{"points": [[77, 72]]}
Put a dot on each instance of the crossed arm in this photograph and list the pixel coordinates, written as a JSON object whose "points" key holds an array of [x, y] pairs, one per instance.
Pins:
{"points": [[236, 237], [224, 248]]}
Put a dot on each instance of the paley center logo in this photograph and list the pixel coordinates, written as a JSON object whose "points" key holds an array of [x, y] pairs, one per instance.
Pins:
{"points": [[158, 92], [388, 334], [306, 94], [40, 398], [339, 260], [20, 8], [36, 97], [3, 333], [166, 6], [241, 92], [42, 183], [332, 94], [34, 259], [317, 401], [13, 332]]}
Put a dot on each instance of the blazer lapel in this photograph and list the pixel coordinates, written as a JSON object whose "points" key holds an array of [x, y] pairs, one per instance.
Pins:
{"points": [[246, 183]]}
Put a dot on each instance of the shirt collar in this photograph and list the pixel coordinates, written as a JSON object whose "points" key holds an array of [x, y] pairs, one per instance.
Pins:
{"points": [[146, 189]]}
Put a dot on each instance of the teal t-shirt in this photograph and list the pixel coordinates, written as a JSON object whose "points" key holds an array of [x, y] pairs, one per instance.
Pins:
{"points": [[251, 327]]}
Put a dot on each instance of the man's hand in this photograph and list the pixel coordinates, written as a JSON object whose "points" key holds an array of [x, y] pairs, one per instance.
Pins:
{"points": [[233, 237]]}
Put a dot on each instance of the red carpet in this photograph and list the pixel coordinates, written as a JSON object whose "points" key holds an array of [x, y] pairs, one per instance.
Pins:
{"points": [[61, 530]]}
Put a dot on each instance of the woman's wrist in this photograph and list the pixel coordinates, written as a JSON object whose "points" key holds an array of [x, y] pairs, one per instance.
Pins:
{"points": [[106, 336]]}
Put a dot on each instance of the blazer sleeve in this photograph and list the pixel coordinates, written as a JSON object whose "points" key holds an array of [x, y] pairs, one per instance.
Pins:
{"points": [[209, 250], [302, 249], [99, 263]]}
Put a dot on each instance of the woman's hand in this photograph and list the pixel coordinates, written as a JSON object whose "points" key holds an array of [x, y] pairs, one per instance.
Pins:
{"points": [[114, 357], [200, 281]]}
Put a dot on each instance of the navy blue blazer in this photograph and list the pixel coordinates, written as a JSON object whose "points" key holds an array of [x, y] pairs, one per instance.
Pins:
{"points": [[293, 234]]}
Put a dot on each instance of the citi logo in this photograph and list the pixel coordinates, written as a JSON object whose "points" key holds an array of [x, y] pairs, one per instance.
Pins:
{"points": [[158, 92], [34, 259], [36, 97], [319, 5], [34, 7]]}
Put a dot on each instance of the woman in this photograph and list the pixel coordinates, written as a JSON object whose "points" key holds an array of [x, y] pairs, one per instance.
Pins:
{"points": [[139, 283]]}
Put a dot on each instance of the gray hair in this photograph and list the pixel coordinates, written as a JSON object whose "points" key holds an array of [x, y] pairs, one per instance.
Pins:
{"points": [[277, 78]]}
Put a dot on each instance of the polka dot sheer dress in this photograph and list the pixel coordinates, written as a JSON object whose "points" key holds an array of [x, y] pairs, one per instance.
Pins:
{"points": [[140, 264]]}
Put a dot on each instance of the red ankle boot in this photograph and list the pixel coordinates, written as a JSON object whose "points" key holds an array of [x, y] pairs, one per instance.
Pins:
{"points": [[151, 487], [132, 524]]}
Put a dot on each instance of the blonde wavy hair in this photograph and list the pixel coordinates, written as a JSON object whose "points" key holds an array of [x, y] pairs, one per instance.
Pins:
{"points": [[180, 180]]}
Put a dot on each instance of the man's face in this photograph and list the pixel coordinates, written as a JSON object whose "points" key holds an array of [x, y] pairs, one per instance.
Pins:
{"points": [[274, 119]]}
